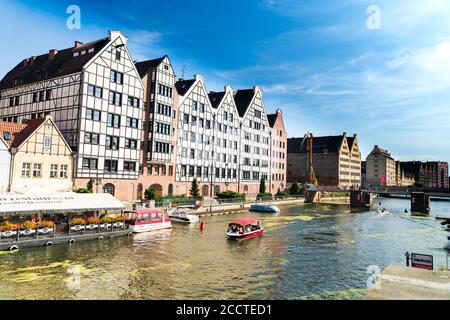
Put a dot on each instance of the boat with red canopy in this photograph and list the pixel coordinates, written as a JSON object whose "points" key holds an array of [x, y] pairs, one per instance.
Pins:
{"points": [[144, 220], [244, 228]]}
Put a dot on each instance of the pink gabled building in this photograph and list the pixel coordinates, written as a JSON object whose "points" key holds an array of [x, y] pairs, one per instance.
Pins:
{"points": [[278, 152]]}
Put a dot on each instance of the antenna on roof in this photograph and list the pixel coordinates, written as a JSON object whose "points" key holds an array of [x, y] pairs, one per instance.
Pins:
{"points": [[183, 70]]}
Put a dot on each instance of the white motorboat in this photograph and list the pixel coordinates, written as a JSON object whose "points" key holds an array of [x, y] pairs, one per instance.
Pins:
{"points": [[259, 207], [183, 217], [383, 211]]}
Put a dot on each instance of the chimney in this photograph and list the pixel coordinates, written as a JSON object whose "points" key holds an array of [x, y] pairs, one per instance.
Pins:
{"points": [[228, 88], [52, 53], [344, 134], [199, 77], [77, 44]]}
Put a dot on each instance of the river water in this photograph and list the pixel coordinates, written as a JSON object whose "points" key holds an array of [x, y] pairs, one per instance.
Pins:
{"points": [[309, 251]]}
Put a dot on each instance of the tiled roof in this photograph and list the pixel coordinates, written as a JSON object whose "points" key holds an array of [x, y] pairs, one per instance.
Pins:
{"points": [[327, 144], [215, 98], [183, 86], [63, 63], [243, 98], [30, 127], [144, 66], [12, 129], [272, 119]]}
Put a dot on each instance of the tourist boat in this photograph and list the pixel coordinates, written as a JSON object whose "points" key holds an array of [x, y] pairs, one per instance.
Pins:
{"points": [[143, 220], [181, 216], [244, 228], [259, 207]]}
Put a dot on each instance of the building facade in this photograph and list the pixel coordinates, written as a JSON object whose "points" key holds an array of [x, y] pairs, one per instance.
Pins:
{"points": [[94, 94], [41, 159], [278, 152], [336, 161], [132, 126], [160, 123], [381, 168], [427, 174]]}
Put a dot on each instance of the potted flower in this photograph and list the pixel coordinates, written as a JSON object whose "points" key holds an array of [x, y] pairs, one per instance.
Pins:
{"points": [[28, 228], [106, 222], [92, 223], [8, 229], [46, 226], [77, 224], [118, 221]]}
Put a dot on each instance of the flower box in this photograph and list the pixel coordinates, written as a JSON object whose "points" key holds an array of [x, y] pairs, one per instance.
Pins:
{"points": [[118, 224], [105, 225], [77, 228], [8, 233], [45, 230], [91, 226], [27, 232]]}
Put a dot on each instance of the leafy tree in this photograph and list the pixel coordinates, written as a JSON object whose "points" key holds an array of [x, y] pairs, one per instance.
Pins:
{"points": [[262, 186], [295, 189], [90, 185], [150, 193], [194, 191]]}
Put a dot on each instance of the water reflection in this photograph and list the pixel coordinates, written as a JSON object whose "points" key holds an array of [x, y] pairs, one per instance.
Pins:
{"points": [[307, 252]]}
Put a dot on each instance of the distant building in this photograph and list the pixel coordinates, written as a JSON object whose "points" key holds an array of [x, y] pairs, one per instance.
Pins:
{"points": [[363, 173], [380, 168], [403, 179], [336, 161], [427, 174], [41, 159], [279, 152]]}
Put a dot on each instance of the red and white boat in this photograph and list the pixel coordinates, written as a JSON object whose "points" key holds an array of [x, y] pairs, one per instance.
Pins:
{"points": [[244, 228], [144, 220]]}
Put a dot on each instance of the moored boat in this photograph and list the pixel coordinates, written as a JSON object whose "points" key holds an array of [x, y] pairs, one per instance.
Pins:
{"points": [[144, 220], [183, 217], [244, 228], [259, 207], [383, 211]]}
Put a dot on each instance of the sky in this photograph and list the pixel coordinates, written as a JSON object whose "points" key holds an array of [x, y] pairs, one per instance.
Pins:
{"points": [[331, 66]]}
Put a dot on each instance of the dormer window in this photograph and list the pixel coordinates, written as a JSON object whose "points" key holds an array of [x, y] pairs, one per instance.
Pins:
{"points": [[91, 50], [76, 54], [83, 52], [7, 136]]}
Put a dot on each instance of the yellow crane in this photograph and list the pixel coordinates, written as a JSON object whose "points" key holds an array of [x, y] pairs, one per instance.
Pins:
{"points": [[309, 160]]}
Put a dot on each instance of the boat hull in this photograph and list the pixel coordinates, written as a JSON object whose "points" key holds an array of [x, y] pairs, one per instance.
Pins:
{"points": [[183, 219], [264, 209], [248, 235], [150, 227]]}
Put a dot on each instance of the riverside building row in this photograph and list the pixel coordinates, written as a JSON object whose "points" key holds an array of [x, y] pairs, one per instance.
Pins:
{"points": [[132, 125]]}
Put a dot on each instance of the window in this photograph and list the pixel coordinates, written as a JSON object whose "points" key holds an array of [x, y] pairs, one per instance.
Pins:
{"points": [[47, 142], [95, 91], [115, 98], [194, 120], [202, 107], [41, 96], [35, 96], [183, 171], [37, 170], [112, 143], [208, 124], [129, 166], [258, 114], [194, 105], [225, 116], [113, 120], [133, 102], [117, 55], [26, 167], [192, 154], [48, 94], [170, 170], [53, 171], [185, 118], [63, 171], [110, 166], [92, 114], [132, 122], [191, 171], [130, 143], [91, 138], [192, 136], [116, 77], [90, 163]]}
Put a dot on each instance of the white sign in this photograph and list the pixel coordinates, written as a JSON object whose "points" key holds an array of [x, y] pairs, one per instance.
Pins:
{"points": [[422, 261]]}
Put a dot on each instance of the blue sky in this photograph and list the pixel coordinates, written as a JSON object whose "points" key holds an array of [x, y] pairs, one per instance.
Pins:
{"points": [[318, 61]]}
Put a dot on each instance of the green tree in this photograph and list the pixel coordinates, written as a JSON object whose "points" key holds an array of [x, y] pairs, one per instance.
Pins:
{"points": [[150, 193], [295, 189], [194, 191], [90, 185], [262, 186]]}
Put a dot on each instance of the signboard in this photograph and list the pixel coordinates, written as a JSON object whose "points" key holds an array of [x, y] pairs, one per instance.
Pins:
{"points": [[422, 261]]}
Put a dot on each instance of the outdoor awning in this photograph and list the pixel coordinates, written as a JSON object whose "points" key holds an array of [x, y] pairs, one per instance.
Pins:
{"points": [[63, 202]]}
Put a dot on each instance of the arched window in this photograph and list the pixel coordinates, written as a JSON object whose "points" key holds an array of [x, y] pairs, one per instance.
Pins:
{"points": [[170, 190], [245, 188], [109, 188], [140, 191], [205, 191], [216, 189], [158, 188]]}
